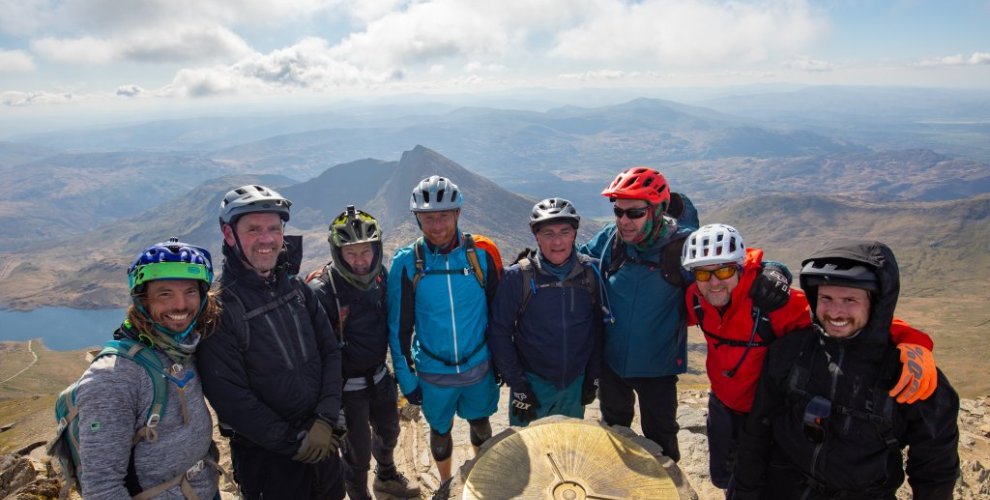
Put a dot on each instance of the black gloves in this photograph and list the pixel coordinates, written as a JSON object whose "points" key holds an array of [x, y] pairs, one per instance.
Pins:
{"points": [[524, 403], [415, 397], [589, 390], [771, 289]]}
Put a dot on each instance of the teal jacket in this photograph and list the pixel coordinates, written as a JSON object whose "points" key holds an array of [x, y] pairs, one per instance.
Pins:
{"points": [[649, 335], [448, 310]]}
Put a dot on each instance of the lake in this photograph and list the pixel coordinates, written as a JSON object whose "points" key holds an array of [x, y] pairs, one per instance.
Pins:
{"points": [[61, 328]]}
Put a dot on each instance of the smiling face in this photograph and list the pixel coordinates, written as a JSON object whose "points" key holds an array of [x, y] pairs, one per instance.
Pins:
{"points": [[359, 257], [631, 230], [717, 292], [556, 242], [842, 311], [173, 304], [439, 228], [261, 237]]}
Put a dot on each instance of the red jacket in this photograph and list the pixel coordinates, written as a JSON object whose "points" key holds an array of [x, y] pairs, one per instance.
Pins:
{"points": [[736, 323]]}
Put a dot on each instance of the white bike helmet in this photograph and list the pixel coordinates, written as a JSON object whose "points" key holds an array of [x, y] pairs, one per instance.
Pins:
{"points": [[713, 244], [435, 194]]}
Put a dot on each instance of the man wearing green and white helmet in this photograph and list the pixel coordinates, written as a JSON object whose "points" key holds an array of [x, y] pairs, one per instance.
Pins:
{"points": [[352, 289]]}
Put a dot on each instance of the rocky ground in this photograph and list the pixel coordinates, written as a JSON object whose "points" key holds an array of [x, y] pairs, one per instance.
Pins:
{"points": [[27, 473]]}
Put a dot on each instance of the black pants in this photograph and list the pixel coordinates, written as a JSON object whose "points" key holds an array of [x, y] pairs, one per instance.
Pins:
{"points": [[262, 474], [375, 406], [657, 406], [723, 429]]}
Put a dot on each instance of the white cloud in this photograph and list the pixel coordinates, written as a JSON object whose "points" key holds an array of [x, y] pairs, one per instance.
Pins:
{"points": [[805, 63], [687, 33], [475, 67], [601, 74], [977, 58], [19, 99], [85, 50], [15, 61], [190, 43], [130, 91]]}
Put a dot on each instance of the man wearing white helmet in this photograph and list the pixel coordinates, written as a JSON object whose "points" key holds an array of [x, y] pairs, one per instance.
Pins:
{"points": [[272, 372], [440, 287], [738, 333]]}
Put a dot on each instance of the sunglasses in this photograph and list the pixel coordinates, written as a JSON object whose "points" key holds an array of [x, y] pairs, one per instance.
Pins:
{"points": [[722, 273], [632, 213]]}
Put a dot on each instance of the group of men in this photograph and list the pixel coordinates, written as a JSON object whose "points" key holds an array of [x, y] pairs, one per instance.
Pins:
{"points": [[297, 371]]}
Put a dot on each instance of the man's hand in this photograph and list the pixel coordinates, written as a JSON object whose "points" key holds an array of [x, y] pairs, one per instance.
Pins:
{"points": [[524, 403], [315, 273], [416, 396], [316, 445], [919, 376], [589, 390], [770, 290]]}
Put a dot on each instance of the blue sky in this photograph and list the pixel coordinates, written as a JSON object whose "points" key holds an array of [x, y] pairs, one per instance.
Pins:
{"points": [[166, 54]]}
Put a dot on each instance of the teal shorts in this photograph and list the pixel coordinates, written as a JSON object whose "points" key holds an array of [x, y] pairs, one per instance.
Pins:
{"points": [[469, 402], [554, 401]]}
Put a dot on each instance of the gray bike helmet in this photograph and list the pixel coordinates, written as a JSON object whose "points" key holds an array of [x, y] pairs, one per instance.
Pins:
{"points": [[838, 272], [350, 228], [435, 194], [250, 199], [553, 210]]}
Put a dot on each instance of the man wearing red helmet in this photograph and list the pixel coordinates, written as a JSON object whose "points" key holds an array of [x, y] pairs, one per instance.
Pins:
{"points": [[646, 345]]}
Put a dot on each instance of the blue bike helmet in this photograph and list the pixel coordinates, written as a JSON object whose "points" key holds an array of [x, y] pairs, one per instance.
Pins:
{"points": [[170, 260]]}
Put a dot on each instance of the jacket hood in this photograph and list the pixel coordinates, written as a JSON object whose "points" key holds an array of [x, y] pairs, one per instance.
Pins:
{"points": [[876, 256]]}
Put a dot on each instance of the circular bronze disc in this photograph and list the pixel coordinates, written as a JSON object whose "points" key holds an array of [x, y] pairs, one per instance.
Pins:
{"points": [[567, 461]]}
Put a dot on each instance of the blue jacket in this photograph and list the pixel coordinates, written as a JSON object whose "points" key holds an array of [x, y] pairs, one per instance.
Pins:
{"points": [[649, 335], [449, 312], [559, 336]]}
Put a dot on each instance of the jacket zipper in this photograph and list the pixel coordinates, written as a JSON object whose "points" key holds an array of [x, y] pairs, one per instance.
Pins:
{"points": [[453, 315]]}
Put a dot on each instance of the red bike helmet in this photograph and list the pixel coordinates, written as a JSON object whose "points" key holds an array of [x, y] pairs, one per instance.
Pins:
{"points": [[640, 183]]}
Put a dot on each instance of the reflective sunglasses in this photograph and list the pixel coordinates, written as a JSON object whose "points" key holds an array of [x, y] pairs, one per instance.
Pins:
{"points": [[723, 273], [632, 213]]}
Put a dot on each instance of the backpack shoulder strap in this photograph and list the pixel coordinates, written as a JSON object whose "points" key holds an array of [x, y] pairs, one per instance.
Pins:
{"points": [[528, 286], [238, 313], [472, 258], [486, 244], [137, 352], [670, 261], [419, 262]]}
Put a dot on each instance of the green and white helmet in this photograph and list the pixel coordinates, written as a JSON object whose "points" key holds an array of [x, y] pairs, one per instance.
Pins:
{"points": [[352, 227]]}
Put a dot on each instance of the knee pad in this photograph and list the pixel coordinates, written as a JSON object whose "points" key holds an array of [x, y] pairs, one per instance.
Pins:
{"points": [[481, 430], [441, 445]]}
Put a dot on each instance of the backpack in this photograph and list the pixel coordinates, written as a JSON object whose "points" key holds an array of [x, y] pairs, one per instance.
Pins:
{"points": [[474, 266], [65, 445], [681, 209], [588, 280]]}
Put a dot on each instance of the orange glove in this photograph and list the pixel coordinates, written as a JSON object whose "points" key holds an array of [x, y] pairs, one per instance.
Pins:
{"points": [[918, 376]]}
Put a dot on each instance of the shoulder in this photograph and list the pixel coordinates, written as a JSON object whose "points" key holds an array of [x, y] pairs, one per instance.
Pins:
{"points": [[404, 255]]}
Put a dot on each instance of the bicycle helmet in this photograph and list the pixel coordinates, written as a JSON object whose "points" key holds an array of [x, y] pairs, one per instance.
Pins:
{"points": [[170, 260], [713, 244], [249, 199], [553, 210], [838, 271], [435, 194], [640, 183], [350, 228]]}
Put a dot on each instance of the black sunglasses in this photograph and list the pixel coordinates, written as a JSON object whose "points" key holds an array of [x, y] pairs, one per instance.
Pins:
{"points": [[632, 213]]}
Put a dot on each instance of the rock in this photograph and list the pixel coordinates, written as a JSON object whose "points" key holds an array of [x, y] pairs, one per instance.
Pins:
{"points": [[692, 419], [15, 472]]}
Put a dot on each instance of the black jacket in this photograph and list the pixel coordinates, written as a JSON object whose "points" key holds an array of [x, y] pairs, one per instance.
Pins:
{"points": [[364, 334], [270, 384], [860, 455]]}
